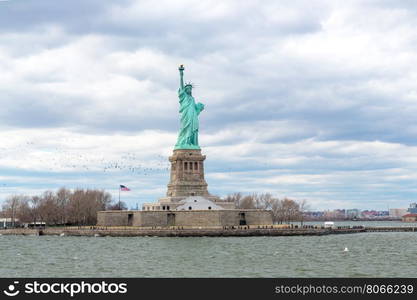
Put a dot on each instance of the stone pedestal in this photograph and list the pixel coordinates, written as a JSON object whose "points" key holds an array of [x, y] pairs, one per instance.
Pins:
{"points": [[187, 174], [186, 180]]}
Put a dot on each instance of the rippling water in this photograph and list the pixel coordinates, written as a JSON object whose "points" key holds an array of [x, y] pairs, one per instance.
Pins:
{"points": [[365, 223], [369, 255]]}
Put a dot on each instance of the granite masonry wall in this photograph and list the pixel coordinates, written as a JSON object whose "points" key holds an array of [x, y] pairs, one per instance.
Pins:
{"points": [[203, 218]]}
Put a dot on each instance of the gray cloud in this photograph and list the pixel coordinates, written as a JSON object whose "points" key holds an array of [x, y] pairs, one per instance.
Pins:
{"points": [[273, 74], [26, 15]]}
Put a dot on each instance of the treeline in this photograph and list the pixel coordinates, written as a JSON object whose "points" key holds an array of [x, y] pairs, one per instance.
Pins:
{"points": [[283, 210], [64, 207]]}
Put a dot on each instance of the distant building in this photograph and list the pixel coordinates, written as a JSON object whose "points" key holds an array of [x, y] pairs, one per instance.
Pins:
{"points": [[337, 214], [374, 214], [8, 222], [409, 218], [35, 225], [384, 213], [352, 213], [413, 208], [397, 212], [369, 214], [313, 215]]}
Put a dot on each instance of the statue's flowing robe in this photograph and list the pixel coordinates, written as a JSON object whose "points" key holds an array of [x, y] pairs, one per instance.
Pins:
{"points": [[188, 134]]}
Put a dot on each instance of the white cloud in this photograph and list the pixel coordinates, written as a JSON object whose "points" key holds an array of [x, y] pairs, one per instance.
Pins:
{"points": [[311, 100]]}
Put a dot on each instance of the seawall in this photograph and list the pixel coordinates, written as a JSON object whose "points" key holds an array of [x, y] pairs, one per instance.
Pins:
{"points": [[242, 231], [177, 232]]}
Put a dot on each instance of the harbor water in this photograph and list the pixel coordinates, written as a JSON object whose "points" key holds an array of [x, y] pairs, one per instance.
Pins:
{"points": [[380, 254]]}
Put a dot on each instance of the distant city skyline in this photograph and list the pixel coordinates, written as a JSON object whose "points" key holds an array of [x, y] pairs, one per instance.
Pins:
{"points": [[305, 100]]}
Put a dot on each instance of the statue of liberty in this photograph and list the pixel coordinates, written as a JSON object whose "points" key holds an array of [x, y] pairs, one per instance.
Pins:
{"points": [[189, 110]]}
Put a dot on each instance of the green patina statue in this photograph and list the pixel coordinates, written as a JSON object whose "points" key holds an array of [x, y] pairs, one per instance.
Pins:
{"points": [[189, 110]]}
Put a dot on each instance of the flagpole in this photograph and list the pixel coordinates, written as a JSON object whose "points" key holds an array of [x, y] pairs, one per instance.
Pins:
{"points": [[119, 197]]}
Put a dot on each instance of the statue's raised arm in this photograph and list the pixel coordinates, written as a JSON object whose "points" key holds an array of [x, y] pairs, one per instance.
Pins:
{"points": [[181, 69]]}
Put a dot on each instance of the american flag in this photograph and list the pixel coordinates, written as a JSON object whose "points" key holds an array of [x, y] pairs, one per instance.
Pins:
{"points": [[124, 188]]}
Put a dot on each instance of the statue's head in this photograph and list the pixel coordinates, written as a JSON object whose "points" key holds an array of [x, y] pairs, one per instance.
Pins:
{"points": [[188, 88]]}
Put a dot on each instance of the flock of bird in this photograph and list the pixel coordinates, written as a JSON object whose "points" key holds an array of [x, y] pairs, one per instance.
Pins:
{"points": [[61, 159]]}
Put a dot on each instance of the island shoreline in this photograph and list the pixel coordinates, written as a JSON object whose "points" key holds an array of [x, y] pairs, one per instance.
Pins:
{"points": [[240, 231]]}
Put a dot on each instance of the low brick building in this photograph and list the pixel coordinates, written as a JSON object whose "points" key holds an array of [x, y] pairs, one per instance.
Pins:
{"points": [[409, 218]]}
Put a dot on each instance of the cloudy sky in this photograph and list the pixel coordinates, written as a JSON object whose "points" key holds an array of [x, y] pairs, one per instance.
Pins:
{"points": [[312, 100]]}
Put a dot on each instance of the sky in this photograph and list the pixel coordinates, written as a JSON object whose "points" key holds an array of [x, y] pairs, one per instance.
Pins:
{"points": [[311, 100]]}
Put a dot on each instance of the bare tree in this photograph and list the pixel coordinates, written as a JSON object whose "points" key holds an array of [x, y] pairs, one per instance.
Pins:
{"points": [[247, 202], [252, 201], [62, 198], [11, 207], [34, 203], [84, 205], [116, 206], [303, 207], [236, 198], [48, 208], [291, 210], [278, 213], [264, 201], [24, 210], [62, 207]]}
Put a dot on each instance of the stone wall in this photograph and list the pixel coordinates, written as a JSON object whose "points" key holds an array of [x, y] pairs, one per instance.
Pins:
{"points": [[203, 218], [197, 218], [113, 218], [230, 218], [276, 230], [151, 218]]}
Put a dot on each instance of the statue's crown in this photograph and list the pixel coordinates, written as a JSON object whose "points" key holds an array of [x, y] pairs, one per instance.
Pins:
{"points": [[188, 84]]}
